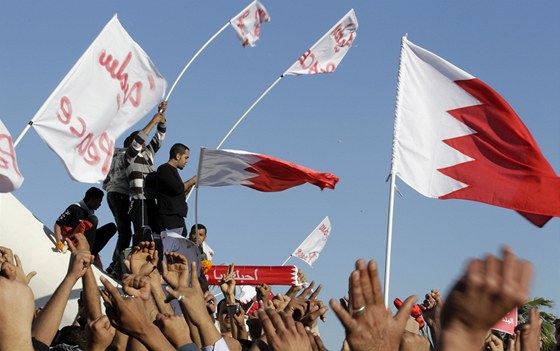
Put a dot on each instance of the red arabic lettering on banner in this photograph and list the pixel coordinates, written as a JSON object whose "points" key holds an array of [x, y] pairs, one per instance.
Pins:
{"points": [[7, 149], [89, 147], [255, 275]]}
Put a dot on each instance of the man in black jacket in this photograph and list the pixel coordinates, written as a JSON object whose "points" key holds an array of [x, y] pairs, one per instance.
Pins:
{"points": [[171, 190]]}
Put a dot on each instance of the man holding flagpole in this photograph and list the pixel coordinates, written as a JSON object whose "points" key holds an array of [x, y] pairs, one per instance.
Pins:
{"points": [[140, 174]]}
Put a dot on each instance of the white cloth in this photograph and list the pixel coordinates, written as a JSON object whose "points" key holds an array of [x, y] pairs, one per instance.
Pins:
{"points": [[10, 176]]}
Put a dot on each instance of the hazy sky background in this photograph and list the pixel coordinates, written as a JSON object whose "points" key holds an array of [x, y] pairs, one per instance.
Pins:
{"points": [[340, 123]]}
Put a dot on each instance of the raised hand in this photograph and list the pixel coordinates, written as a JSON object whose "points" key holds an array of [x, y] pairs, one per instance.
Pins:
{"points": [[530, 333], [489, 289], [17, 307], [210, 302], [494, 343], [431, 311], [282, 332], [99, 333], [371, 326], [175, 270], [143, 258], [137, 285], [174, 328], [80, 260], [227, 284], [414, 342]]}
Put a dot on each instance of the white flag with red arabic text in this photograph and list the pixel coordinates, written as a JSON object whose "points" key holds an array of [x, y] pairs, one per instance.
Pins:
{"points": [[309, 250], [247, 23], [257, 171], [111, 87], [328, 52], [10, 176]]}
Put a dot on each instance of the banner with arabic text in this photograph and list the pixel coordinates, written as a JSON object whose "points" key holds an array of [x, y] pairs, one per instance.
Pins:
{"points": [[255, 275]]}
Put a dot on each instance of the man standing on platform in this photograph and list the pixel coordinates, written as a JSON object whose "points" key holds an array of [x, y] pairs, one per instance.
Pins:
{"points": [[171, 190]]}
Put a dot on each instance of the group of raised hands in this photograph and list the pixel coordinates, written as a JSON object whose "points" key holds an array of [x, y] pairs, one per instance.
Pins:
{"points": [[140, 317]]}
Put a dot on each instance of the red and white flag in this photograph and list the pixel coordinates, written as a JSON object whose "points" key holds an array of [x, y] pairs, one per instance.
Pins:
{"points": [[247, 23], [111, 87], [255, 275], [260, 172], [10, 176], [326, 54], [309, 250], [457, 138]]}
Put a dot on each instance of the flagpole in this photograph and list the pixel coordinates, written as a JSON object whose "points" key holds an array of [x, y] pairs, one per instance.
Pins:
{"points": [[287, 259], [392, 187], [29, 124], [249, 110], [196, 195], [194, 57]]}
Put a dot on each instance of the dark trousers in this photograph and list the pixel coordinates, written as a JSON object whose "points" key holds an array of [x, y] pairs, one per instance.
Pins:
{"points": [[172, 222], [143, 213], [99, 237], [119, 205]]}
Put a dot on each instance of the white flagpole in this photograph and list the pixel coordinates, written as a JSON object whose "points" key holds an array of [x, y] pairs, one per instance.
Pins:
{"points": [[287, 259], [392, 189], [194, 57], [29, 124], [249, 110], [196, 195]]}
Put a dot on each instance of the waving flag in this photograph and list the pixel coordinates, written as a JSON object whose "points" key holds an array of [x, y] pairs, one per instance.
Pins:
{"points": [[456, 138], [309, 250], [247, 23], [255, 275], [260, 172], [10, 176], [326, 54], [111, 87]]}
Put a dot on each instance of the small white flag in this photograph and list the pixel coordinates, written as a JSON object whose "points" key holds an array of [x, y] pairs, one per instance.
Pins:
{"points": [[111, 87], [312, 246], [326, 54], [10, 176], [247, 24]]}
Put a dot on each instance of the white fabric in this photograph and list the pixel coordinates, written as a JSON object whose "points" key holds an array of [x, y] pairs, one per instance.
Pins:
{"points": [[10, 176], [326, 54], [207, 251], [220, 345], [309, 250], [247, 23], [111, 87], [225, 167], [426, 91]]}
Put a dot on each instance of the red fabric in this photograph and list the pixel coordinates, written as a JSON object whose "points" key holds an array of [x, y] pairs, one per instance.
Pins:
{"points": [[508, 169], [274, 174], [255, 275], [84, 226]]}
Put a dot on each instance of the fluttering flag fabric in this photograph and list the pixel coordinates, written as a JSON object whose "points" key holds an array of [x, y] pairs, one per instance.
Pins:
{"points": [[260, 172], [10, 176], [309, 250], [457, 138], [255, 275], [247, 23], [111, 87], [325, 55], [508, 323]]}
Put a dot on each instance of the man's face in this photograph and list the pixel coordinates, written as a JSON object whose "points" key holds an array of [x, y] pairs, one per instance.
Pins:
{"points": [[94, 203], [223, 318], [201, 236], [183, 159]]}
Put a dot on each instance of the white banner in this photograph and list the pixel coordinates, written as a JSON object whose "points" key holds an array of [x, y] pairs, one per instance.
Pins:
{"points": [[326, 54], [10, 176], [309, 250], [111, 87], [247, 23]]}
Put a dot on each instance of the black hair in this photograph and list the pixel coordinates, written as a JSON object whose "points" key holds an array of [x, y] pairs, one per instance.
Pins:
{"points": [[177, 148], [93, 193], [129, 138], [193, 229]]}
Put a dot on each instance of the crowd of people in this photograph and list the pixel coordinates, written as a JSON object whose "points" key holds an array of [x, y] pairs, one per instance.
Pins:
{"points": [[164, 302], [139, 315]]}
